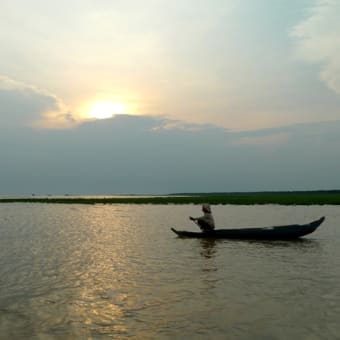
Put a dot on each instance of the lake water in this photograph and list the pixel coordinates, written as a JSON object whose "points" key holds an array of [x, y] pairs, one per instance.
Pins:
{"points": [[117, 271]]}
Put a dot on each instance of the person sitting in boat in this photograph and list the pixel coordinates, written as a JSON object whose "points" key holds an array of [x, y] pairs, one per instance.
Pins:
{"points": [[205, 222]]}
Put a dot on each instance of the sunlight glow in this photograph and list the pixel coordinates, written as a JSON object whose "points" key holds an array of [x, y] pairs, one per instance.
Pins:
{"points": [[107, 109]]}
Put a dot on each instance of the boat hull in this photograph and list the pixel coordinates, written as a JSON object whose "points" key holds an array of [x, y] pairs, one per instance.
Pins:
{"points": [[286, 232]]}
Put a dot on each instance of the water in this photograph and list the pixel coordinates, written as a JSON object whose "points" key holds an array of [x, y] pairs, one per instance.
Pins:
{"points": [[117, 271]]}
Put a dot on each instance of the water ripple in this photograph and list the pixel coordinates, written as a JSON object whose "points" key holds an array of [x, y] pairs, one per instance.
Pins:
{"points": [[98, 272]]}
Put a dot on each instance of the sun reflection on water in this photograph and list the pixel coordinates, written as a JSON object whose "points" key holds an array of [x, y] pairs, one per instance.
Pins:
{"points": [[117, 271]]}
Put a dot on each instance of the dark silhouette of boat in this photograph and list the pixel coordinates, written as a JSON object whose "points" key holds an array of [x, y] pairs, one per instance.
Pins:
{"points": [[286, 232]]}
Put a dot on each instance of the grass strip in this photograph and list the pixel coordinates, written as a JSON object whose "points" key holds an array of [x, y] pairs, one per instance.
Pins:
{"points": [[282, 198]]}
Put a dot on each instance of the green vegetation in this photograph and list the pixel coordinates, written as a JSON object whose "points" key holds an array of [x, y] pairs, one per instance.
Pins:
{"points": [[283, 198]]}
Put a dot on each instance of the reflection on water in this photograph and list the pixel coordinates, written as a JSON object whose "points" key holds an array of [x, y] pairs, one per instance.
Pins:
{"points": [[98, 272], [302, 244], [208, 247]]}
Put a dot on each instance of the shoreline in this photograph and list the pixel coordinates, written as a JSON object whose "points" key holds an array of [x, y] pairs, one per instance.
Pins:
{"points": [[281, 198]]}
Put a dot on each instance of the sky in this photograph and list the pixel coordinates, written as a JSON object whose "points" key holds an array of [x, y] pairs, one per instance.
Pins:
{"points": [[155, 96]]}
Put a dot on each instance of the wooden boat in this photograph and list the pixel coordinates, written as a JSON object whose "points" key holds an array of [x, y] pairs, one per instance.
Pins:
{"points": [[285, 232]]}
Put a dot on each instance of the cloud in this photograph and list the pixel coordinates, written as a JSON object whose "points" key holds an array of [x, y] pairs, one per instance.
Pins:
{"points": [[26, 105], [219, 62], [132, 154], [318, 40], [271, 141]]}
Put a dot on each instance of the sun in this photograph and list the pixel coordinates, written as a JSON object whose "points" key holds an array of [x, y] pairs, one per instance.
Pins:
{"points": [[106, 109]]}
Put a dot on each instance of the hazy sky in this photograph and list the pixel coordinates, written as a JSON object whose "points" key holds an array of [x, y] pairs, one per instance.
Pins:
{"points": [[158, 96]]}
